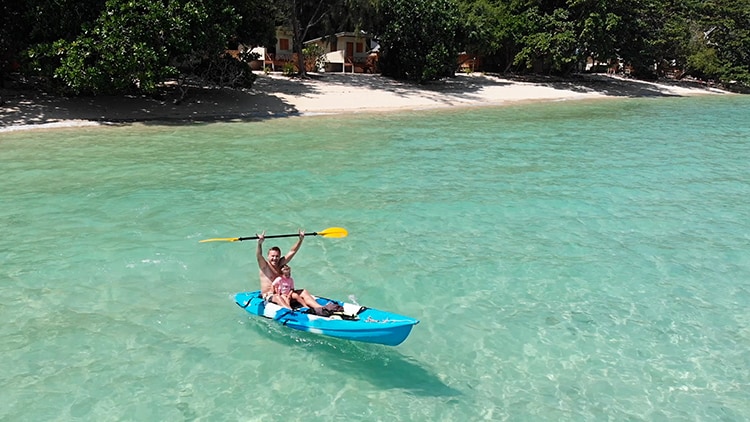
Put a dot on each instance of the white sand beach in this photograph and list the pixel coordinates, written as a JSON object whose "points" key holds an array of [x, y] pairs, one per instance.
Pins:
{"points": [[277, 95]]}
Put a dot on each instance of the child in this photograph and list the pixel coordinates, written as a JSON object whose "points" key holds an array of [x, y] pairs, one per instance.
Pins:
{"points": [[283, 287], [284, 294]]}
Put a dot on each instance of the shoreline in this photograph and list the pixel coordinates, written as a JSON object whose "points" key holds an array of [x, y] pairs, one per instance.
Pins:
{"points": [[276, 96]]}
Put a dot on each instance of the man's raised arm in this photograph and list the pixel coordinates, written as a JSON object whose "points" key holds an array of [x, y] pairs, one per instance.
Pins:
{"points": [[262, 263], [293, 251]]}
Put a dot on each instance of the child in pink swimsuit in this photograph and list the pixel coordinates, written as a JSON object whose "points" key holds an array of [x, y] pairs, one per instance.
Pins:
{"points": [[283, 286]]}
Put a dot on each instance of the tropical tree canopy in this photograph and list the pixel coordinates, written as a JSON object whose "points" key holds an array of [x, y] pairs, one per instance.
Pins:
{"points": [[118, 46]]}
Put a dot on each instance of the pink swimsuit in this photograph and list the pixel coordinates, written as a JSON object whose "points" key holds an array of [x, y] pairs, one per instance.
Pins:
{"points": [[283, 285]]}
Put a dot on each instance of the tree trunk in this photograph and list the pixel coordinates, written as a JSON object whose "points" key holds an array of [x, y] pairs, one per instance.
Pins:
{"points": [[297, 41]]}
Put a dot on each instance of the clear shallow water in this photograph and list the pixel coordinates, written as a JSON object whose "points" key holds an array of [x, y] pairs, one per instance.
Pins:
{"points": [[568, 261]]}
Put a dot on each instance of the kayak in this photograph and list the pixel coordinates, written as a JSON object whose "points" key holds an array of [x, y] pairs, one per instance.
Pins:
{"points": [[351, 322]]}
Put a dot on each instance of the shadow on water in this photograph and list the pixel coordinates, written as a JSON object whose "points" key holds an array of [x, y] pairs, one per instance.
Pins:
{"points": [[382, 366]]}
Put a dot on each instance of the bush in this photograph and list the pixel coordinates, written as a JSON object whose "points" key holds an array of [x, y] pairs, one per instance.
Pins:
{"points": [[314, 57], [289, 69]]}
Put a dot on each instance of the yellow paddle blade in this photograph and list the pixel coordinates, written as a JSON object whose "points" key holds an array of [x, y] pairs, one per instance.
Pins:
{"points": [[334, 232], [220, 239]]}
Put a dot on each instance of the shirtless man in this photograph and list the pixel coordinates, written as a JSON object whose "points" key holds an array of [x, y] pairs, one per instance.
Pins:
{"points": [[270, 269]]}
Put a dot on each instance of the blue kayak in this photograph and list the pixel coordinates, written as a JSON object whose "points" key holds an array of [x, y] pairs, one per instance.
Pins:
{"points": [[353, 322]]}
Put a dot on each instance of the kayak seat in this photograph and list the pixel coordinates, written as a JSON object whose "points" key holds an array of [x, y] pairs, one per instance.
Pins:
{"points": [[353, 309]]}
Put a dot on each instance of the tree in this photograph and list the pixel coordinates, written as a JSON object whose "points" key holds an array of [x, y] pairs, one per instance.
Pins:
{"points": [[122, 51], [721, 46], [118, 46], [420, 40], [488, 27], [550, 44], [24, 23], [301, 16], [599, 25], [11, 24], [258, 21]]}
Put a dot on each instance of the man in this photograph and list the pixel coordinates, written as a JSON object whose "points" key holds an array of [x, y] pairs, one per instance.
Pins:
{"points": [[271, 268]]}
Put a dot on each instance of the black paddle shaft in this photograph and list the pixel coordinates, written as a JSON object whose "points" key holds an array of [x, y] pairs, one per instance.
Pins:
{"points": [[277, 235]]}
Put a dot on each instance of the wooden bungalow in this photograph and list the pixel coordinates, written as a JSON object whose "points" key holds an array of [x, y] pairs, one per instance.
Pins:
{"points": [[347, 51]]}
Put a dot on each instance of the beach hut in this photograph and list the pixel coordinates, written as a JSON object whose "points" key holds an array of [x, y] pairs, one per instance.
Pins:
{"points": [[346, 51]]}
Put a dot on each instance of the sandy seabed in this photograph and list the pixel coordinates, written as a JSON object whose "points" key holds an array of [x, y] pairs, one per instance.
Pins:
{"points": [[274, 95]]}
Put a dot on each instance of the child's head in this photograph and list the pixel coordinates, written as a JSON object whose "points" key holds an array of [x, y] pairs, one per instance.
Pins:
{"points": [[286, 270]]}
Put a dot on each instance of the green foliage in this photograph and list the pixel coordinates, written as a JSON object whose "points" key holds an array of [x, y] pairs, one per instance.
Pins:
{"points": [[420, 41], [598, 32], [115, 46], [26, 22], [486, 25], [705, 63], [651, 36], [314, 57], [551, 44], [258, 21], [135, 46], [722, 51], [122, 51], [289, 69]]}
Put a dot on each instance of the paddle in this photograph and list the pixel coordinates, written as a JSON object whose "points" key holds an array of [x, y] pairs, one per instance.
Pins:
{"points": [[329, 232]]}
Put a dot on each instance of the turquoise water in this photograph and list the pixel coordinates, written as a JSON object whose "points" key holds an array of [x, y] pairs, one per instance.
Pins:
{"points": [[568, 261]]}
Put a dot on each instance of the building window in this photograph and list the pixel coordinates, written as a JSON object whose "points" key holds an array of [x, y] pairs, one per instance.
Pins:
{"points": [[360, 47], [284, 44]]}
